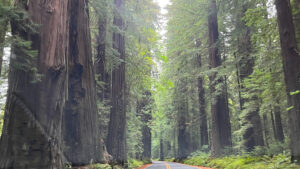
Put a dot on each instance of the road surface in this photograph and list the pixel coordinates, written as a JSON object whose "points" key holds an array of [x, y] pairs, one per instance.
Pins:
{"points": [[169, 165]]}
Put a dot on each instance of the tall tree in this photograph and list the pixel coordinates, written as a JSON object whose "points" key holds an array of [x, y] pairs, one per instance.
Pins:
{"points": [[32, 134], [161, 150], [145, 112], [116, 140], [182, 122], [291, 62], [103, 76], [253, 135], [220, 127], [202, 109], [81, 133]]}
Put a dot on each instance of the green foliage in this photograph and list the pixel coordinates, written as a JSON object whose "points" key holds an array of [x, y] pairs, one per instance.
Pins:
{"points": [[1, 121], [141, 37], [133, 163], [281, 161], [295, 92], [24, 56]]}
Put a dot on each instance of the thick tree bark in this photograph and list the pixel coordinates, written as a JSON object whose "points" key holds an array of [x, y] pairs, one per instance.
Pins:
{"points": [[221, 129], [81, 136], [291, 62], [202, 110], [33, 115], [116, 140]]}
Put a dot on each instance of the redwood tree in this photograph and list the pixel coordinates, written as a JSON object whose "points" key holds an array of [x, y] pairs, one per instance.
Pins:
{"points": [[103, 76], [144, 111], [202, 110], [183, 130], [81, 133], [116, 139], [291, 62], [33, 114], [220, 128], [253, 135]]}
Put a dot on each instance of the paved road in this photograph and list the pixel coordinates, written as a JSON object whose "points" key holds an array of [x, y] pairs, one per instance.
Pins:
{"points": [[168, 165]]}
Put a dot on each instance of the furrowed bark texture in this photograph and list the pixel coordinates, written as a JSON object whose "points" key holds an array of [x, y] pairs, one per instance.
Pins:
{"points": [[221, 129], [82, 143], [116, 139], [33, 115], [291, 62]]}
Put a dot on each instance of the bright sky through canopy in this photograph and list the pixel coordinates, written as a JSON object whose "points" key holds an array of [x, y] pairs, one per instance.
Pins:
{"points": [[163, 4]]}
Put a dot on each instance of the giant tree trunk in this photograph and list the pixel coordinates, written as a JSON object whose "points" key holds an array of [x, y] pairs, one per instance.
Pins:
{"points": [[81, 135], [291, 62], [116, 140], [33, 115], [221, 129]]}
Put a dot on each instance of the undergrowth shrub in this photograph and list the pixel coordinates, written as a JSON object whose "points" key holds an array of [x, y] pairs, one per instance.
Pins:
{"points": [[133, 163], [281, 161]]}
